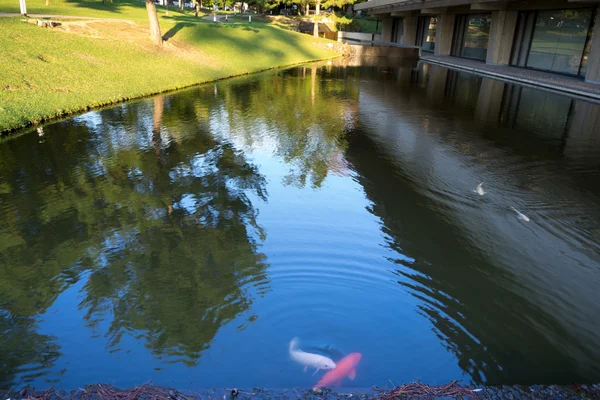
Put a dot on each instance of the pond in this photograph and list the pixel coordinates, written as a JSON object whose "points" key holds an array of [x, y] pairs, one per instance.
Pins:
{"points": [[186, 239]]}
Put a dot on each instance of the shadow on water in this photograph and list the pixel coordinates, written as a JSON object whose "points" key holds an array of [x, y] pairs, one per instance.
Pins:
{"points": [[492, 308], [140, 224]]}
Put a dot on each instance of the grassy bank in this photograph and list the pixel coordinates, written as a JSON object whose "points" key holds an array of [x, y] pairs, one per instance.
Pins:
{"points": [[48, 73]]}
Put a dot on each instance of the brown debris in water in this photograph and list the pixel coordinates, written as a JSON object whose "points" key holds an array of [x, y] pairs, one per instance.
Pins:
{"points": [[104, 392], [418, 390]]}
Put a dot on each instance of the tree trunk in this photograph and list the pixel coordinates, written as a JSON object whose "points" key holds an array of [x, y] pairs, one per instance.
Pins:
{"points": [[154, 26], [159, 104], [167, 7], [313, 84], [47, 2], [197, 7], [180, 5], [307, 9], [316, 27]]}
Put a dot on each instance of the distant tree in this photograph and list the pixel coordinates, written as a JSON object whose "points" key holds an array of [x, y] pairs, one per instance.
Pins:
{"points": [[155, 34], [264, 5], [342, 4], [303, 6]]}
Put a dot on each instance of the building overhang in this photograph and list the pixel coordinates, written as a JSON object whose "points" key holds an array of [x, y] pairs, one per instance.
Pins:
{"points": [[430, 6]]}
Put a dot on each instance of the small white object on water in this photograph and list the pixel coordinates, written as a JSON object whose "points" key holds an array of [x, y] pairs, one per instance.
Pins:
{"points": [[476, 390], [520, 215], [309, 359], [479, 189], [40, 131]]}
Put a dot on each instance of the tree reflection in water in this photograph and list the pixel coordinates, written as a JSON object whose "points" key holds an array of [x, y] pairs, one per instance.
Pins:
{"points": [[159, 212]]}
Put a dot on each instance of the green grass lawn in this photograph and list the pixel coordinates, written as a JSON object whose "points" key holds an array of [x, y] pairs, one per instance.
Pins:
{"points": [[121, 9], [48, 73]]}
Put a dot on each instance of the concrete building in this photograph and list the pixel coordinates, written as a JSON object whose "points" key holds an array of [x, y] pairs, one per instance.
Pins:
{"points": [[557, 36]]}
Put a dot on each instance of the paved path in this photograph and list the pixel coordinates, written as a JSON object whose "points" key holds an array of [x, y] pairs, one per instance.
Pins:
{"points": [[231, 18]]}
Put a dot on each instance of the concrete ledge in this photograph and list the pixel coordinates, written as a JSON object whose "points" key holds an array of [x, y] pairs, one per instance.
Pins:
{"points": [[380, 49], [358, 36], [548, 81]]}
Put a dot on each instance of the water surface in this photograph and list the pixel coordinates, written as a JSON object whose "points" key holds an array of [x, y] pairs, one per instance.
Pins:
{"points": [[186, 239]]}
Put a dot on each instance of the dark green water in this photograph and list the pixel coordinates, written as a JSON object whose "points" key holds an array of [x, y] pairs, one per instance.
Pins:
{"points": [[186, 239]]}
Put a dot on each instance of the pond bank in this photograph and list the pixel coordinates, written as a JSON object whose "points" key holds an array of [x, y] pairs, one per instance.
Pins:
{"points": [[79, 65], [415, 390]]}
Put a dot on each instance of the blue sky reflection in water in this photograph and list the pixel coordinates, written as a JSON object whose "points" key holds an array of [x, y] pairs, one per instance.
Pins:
{"points": [[186, 239]]}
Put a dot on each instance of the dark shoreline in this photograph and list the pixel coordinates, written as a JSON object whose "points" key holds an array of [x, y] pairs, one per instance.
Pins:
{"points": [[415, 390]]}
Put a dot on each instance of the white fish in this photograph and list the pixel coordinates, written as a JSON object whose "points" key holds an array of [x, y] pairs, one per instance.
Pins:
{"points": [[521, 216], [309, 359], [479, 189]]}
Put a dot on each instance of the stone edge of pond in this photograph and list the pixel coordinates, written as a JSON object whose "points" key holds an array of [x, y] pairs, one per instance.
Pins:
{"points": [[22, 128], [414, 390]]}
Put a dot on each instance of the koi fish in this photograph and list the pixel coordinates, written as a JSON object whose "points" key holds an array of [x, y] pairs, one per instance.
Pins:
{"points": [[346, 367], [479, 189], [520, 215], [309, 359]]}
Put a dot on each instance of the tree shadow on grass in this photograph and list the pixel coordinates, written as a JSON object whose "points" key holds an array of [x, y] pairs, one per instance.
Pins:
{"points": [[115, 6], [173, 31]]}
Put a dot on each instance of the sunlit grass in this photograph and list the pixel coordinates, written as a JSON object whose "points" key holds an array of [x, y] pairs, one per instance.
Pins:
{"points": [[121, 9], [52, 72]]}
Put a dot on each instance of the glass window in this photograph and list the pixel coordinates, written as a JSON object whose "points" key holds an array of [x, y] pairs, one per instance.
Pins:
{"points": [[559, 38], [476, 36], [430, 30], [588, 46]]}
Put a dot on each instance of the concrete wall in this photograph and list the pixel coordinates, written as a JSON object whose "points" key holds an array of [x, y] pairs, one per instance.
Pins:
{"points": [[502, 33], [409, 26], [358, 37], [365, 53], [387, 24], [444, 34]]}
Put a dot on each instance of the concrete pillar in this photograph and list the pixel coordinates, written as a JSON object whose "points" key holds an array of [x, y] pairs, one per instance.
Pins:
{"points": [[409, 33], [443, 34], [387, 25], [583, 130], [502, 35], [593, 64], [436, 88], [489, 102]]}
